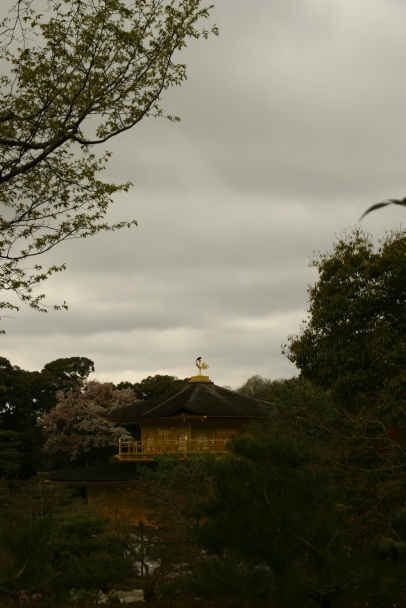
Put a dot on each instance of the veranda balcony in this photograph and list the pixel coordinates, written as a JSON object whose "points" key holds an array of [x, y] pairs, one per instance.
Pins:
{"points": [[146, 450]]}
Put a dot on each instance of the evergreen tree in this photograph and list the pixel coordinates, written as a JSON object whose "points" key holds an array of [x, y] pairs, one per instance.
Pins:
{"points": [[274, 527], [53, 553], [10, 456]]}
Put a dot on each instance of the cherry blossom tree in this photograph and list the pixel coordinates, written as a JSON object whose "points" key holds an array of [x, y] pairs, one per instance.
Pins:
{"points": [[74, 426]]}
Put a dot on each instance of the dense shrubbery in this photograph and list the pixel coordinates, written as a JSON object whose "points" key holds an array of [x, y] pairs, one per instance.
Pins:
{"points": [[51, 544]]}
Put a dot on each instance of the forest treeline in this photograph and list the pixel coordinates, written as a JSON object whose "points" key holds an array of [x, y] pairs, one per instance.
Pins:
{"points": [[35, 435], [309, 509]]}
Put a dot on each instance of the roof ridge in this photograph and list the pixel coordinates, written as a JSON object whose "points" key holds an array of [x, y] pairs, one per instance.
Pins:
{"points": [[167, 400], [221, 397]]}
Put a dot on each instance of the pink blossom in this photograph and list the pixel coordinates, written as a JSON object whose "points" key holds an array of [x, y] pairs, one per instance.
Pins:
{"points": [[75, 425], [23, 599]]}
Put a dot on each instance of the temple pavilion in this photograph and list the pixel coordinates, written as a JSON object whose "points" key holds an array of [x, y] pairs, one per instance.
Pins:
{"points": [[200, 417]]}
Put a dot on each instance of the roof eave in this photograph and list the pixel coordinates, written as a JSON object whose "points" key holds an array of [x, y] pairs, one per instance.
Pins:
{"points": [[84, 482], [188, 415]]}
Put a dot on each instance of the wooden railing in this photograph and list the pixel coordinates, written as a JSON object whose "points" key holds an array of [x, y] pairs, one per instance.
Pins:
{"points": [[131, 449]]}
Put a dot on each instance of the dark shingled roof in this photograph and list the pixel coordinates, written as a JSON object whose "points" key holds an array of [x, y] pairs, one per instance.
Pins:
{"points": [[110, 472], [196, 398]]}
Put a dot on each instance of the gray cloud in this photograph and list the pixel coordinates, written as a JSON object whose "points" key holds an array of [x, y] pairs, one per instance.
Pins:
{"points": [[293, 122]]}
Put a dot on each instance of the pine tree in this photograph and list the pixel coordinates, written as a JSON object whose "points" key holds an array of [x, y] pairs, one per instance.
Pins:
{"points": [[275, 528]]}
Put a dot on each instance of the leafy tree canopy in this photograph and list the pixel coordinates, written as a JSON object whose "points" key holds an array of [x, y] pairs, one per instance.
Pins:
{"points": [[69, 373], [153, 386], [17, 396], [353, 340], [256, 387], [77, 74], [25, 395]]}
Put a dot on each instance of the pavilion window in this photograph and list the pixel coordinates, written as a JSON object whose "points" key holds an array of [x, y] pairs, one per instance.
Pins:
{"points": [[202, 443], [150, 443], [226, 434], [165, 440], [182, 443]]}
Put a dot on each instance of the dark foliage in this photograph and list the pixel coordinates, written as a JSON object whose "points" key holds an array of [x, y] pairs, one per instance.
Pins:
{"points": [[153, 386], [353, 341]]}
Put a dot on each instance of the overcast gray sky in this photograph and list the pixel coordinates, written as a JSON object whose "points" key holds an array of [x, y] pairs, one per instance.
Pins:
{"points": [[293, 123]]}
